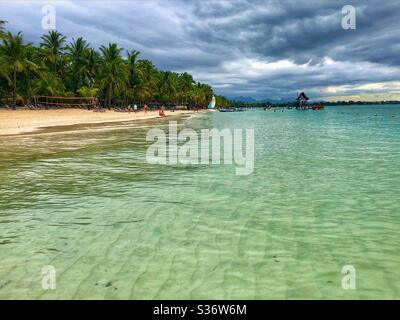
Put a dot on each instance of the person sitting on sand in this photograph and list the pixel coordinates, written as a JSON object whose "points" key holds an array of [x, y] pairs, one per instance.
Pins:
{"points": [[161, 113]]}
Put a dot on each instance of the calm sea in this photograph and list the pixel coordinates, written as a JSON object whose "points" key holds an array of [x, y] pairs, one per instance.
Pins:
{"points": [[324, 194]]}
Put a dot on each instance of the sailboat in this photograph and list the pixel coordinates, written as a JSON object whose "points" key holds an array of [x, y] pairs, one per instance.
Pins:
{"points": [[211, 105]]}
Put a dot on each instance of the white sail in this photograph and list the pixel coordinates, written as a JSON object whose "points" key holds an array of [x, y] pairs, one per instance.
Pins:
{"points": [[211, 105]]}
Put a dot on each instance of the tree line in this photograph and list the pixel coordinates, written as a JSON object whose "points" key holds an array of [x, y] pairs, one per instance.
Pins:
{"points": [[58, 67]]}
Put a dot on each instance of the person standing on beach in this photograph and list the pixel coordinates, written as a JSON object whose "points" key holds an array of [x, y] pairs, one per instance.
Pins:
{"points": [[135, 108], [145, 108]]}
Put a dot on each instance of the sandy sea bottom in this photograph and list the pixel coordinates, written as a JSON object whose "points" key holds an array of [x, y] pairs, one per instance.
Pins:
{"points": [[324, 194]]}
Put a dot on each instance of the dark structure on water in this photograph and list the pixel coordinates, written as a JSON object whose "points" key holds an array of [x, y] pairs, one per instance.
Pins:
{"points": [[302, 101]]}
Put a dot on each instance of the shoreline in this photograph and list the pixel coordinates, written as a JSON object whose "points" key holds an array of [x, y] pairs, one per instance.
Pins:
{"points": [[20, 122]]}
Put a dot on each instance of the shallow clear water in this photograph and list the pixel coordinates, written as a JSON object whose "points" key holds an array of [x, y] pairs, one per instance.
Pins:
{"points": [[324, 194]]}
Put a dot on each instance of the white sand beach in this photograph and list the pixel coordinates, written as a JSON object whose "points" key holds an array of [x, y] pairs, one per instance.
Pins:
{"points": [[26, 121]]}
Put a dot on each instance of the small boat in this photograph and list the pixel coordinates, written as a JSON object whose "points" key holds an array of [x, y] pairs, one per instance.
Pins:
{"points": [[318, 107], [231, 110]]}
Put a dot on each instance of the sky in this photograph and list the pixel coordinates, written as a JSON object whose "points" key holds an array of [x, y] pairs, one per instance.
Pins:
{"points": [[264, 49]]}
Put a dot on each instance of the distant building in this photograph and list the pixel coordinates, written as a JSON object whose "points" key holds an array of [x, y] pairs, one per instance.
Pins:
{"points": [[302, 100]]}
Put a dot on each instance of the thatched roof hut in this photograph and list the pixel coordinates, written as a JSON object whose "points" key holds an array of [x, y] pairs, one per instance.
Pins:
{"points": [[302, 96]]}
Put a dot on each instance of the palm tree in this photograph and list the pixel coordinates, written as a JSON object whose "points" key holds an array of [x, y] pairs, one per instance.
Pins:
{"points": [[88, 92], [92, 59], [168, 86], [48, 84], [207, 93], [13, 54], [113, 73], [185, 82], [196, 95], [3, 70], [2, 33], [31, 71], [133, 70], [76, 52], [53, 44], [147, 80], [57, 68]]}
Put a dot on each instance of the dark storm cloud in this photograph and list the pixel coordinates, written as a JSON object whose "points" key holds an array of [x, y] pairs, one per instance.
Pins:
{"points": [[302, 30], [256, 48]]}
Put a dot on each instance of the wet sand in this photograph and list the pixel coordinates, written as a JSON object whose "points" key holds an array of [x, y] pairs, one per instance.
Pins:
{"points": [[14, 122]]}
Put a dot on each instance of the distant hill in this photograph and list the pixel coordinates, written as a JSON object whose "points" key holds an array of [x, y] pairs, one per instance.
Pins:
{"points": [[252, 100], [244, 99]]}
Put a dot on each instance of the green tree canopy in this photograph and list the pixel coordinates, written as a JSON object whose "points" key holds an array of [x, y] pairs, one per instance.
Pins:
{"points": [[13, 56], [64, 68]]}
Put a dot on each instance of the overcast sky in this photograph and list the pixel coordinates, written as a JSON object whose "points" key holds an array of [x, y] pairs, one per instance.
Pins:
{"points": [[260, 49]]}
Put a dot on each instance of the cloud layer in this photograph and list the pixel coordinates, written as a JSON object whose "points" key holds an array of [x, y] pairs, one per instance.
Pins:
{"points": [[262, 49]]}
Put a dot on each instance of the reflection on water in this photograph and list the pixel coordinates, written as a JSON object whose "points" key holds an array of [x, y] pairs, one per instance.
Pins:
{"points": [[324, 194]]}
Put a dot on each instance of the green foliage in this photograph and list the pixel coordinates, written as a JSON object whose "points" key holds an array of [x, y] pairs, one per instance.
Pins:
{"points": [[53, 45], [47, 84], [113, 72], [222, 102], [2, 33], [88, 92], [14, 60], [58, 68]]}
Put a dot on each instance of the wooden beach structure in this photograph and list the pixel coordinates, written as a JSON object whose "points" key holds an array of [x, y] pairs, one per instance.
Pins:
{"points": [[64, 102], [302, 101]]}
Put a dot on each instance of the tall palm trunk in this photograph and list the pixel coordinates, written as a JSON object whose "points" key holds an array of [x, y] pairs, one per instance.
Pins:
{"points": [[29, 87], [55, 64], [109, 94], [14, 88]]}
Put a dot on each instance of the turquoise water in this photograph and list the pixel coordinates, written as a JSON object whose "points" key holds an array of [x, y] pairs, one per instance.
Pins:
{"points": [[324, 194]]}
